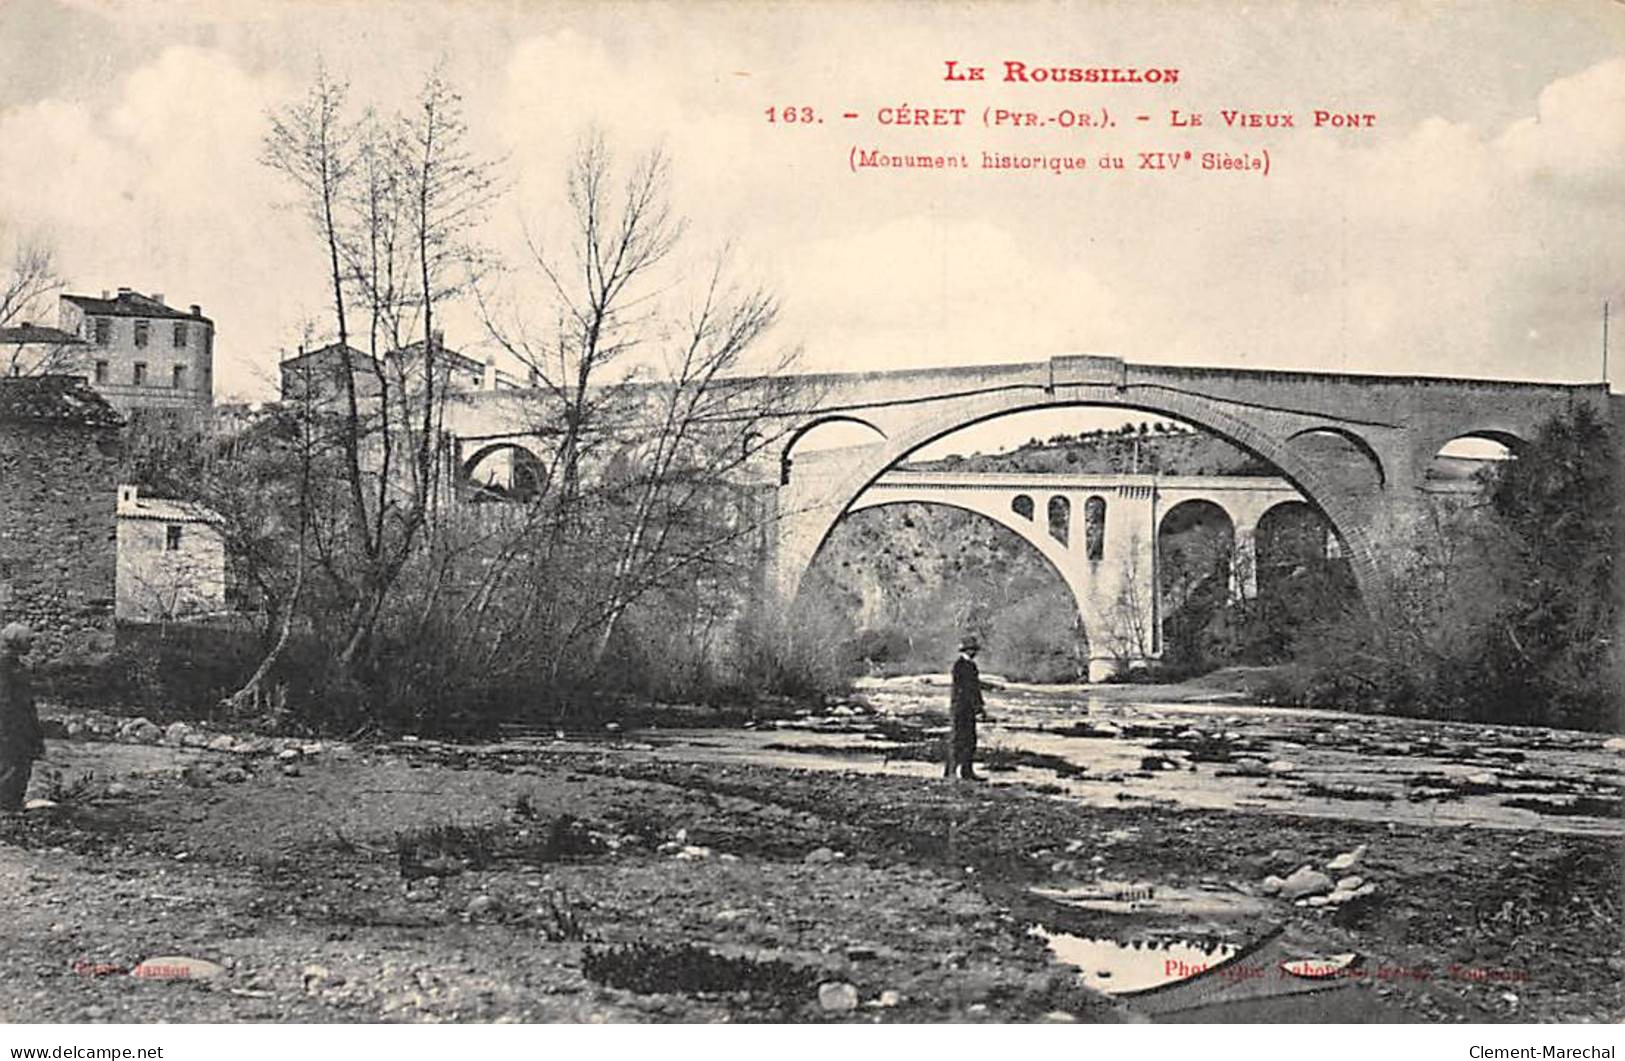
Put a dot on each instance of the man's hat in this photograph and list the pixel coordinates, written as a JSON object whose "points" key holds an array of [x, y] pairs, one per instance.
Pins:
{"points": [[968, 643]]}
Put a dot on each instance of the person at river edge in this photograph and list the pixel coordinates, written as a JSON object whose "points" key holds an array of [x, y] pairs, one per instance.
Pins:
{"points": [[21, 739], [965, 707]]}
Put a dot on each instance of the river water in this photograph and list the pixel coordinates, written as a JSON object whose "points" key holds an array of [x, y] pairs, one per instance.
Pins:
{"points": [[1110, 747]]}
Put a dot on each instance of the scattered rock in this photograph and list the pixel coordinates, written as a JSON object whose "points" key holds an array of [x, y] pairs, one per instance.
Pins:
{"points": [[1349, 883], [482, 906], [175, 733], [861, 952], [319, 977], [1282, 766], [176, 967], [140, 731], [1271, 885], [1347, 860], [693, 853], [118, 790], [39, 804], [889, 998], [1614, 744], [223, 743], [288, 755], [837, 997], [1058, 1016], [821, 855], [1304, 882]]}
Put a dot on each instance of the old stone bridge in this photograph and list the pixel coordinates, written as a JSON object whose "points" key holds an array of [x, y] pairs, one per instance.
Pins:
{"points": [[1358, 448]]}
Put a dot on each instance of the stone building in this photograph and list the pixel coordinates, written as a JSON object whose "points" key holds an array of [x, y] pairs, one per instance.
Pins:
{"points": [[138, 351], [319, 374], [36, 350], [59, 465], [171, 559]]}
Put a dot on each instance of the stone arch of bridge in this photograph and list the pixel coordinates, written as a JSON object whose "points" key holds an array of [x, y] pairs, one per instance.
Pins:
{"points": [[1353, 438], [1346, 513], [1031, 532], [527, 472], [787, 453], [1428, 446]]}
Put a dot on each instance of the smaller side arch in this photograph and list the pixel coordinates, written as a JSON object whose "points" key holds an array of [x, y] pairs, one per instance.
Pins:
{"points": [[1324, 441], [1094, 527], [795, 437], [504, 471], [1060, 519]]}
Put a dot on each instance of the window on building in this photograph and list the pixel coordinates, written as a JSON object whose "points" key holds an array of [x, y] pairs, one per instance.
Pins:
{"points": [[142, 329], [179, 379], [104, 331], [172, 538], [180, 334], [101, 372], [138, 373]]}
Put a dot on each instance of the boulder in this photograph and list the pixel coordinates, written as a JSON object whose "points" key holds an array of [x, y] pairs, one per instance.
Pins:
{"points": [[820, 855], [1350, 882], [1304, 882], [140, 731], [837, 997], [1347, 860], [176, 732], [1271, 885], [223, 743]]}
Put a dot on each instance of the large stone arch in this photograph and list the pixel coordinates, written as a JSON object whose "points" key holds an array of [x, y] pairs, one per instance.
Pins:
{"points": [[1346, 513]]}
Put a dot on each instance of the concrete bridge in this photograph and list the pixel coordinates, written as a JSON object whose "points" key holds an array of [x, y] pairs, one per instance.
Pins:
{"points": [[1100, 534], [1357, 448]]}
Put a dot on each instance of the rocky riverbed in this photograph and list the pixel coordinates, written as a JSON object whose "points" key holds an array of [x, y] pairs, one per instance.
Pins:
{"points": [[650, 875]]}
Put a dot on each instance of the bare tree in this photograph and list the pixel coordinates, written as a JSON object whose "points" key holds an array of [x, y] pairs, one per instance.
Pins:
{"points": [[30, 276], [653, 419], [395, 203]]}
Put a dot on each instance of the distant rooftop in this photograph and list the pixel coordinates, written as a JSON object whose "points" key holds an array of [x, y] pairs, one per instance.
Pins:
{"points": [[131, 505], [31, 334], [128, 303], [55, 399]]}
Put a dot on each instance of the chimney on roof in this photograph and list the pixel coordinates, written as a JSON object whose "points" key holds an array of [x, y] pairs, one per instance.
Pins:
{"points": [[123, 291], [439, 337], [197, 310], [106, 294], [158, 297], [127, 494]]}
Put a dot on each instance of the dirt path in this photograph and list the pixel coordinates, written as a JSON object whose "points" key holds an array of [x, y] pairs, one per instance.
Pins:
{"points": [[430, 882]]}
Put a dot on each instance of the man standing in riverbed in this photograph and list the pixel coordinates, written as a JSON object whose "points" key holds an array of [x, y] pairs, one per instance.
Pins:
{"points": [[21, 740], [965, 707]]}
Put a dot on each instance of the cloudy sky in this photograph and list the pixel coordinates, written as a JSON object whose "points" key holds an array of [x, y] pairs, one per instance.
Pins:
{"points": [[1475, 230]]}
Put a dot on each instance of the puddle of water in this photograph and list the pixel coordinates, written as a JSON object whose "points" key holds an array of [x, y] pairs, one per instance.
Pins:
{"points": [[1116, 968]]}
